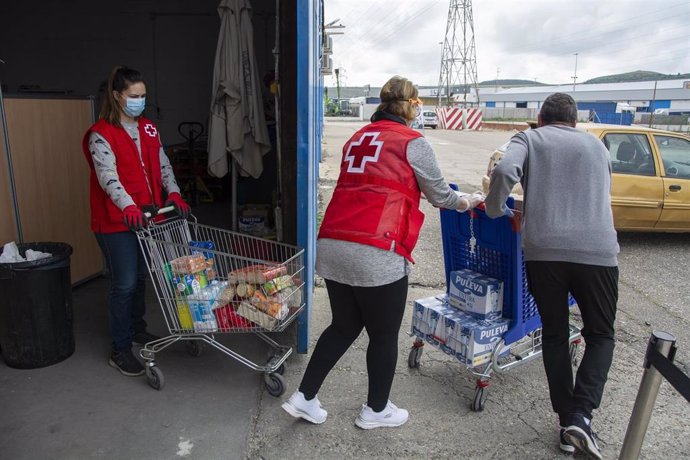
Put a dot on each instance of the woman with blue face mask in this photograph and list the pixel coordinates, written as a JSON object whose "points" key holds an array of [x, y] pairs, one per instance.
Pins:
{"points": [[130, 175]]}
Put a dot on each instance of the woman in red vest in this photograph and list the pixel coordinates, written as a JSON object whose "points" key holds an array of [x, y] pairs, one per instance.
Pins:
{"points": [[129, 173], [365, 246]]}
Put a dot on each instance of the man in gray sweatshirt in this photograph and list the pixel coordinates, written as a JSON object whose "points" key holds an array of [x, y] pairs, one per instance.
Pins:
{"points": [[570, 246]]}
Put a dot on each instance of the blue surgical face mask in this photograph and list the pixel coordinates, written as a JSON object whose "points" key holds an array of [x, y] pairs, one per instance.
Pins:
{"points": [[134, 106]]}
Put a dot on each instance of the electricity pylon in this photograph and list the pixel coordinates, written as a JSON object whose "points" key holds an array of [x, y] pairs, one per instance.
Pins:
{"points": [[459, 59]]}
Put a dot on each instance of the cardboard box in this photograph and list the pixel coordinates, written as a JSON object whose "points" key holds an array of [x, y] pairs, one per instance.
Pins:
{"points": [[256, 316], [469, 339], [422, 312], [254, 219], [477, 294]]}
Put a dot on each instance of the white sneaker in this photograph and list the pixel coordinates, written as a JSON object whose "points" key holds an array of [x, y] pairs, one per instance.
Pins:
{"points": [[389, 416], [299, 407]]}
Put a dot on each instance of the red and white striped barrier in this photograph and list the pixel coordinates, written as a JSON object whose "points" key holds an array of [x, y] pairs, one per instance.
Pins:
{"points": [[452, 118]]}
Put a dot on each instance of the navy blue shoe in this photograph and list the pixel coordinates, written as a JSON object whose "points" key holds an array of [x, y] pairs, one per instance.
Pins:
{"points": [[565, 446], [579, 434]]}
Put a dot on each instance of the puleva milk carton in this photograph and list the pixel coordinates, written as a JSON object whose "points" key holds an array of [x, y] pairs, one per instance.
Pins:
{"points": [[475, 293], [482, 338], [422, 314], [464, 336]]}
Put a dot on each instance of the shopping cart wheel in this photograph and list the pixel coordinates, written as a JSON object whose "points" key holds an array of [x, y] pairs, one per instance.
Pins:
{"points": [[281, 369], [415, 357], [275, 384], [480, 394], [155, 377], [194, 348], [573, 353]]}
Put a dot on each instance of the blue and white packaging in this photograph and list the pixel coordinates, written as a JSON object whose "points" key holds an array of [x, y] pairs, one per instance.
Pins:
{"points": [[475, 293], [481, 338], [469, 339], [422, 314]]}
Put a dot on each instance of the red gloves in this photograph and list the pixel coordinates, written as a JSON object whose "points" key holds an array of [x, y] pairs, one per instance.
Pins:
{"points": [[134, 218], [181, 206]]}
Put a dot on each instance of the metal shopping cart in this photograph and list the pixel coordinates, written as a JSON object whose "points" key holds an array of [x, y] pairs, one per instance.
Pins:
{"points": [[212, 281], [472, 240]]}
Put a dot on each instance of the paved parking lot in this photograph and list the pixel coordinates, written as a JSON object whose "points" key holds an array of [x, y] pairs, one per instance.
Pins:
{"points": [[517, 422]]}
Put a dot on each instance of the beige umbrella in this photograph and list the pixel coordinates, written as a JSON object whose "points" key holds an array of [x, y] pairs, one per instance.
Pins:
{"points": [[237, 125]]}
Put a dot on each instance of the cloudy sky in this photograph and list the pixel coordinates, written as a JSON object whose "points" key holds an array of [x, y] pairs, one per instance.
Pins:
{"points": [[525, 39]]}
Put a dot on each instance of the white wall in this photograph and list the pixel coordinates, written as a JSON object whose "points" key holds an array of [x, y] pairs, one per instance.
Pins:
{"points": [[71, 46]]}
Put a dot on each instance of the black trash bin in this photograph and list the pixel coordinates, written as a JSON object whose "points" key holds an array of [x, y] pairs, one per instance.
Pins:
{"points": [[36, 319]]}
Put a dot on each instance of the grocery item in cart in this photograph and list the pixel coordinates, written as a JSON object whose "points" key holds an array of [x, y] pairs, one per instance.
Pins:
{"points": [[481, 337], [188, 264], [227, 318], [202, 315], [202, 303], [433, 313], [203, 245], [256, 274], [469, 339], [272, 305], [277, 284], [292, 295], [210, 269], [476, 293], [253, 314], [190, 284], [183, 315], [245, 290]]}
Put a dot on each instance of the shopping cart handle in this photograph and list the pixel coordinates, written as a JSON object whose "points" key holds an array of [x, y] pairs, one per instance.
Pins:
{"points": [[164, 210]]}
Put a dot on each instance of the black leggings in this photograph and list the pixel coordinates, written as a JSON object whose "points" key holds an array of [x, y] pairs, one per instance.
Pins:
{"points": [[380, 310]]}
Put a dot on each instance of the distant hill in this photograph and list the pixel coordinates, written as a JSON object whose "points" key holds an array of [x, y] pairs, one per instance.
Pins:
{"points": [[513, 82], [638, 75]]}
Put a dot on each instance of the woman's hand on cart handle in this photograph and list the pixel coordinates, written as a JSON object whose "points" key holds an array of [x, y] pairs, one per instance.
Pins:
{"points": [[134, 218], [180, 205], [468, 201], [161, 211]]}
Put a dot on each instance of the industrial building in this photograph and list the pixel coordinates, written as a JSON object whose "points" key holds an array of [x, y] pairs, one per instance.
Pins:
{"points": [[644, 96]]}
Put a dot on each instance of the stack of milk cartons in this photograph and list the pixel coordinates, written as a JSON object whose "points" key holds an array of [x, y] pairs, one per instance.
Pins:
{"points": [[467, 323], [479, 299]]}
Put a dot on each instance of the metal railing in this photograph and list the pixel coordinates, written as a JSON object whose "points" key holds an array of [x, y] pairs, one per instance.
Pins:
{"points": [[658, 364]]}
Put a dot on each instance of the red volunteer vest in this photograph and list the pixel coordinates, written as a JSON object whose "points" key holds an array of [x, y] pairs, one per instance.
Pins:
{"points": [[376, 200], [140, 177]]}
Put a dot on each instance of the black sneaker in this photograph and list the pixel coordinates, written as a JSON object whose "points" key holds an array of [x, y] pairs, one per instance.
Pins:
{"points": [[565, 447], [126, 363], [142, 338], [579, 434]]}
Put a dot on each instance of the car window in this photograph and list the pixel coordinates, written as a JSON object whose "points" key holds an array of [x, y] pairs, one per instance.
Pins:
{"points": [[630, 153], [429, 114], [675, 154]]}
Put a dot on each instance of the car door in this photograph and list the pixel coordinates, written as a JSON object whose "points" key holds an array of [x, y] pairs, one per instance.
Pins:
{"points": [[674, 152], [637, 193]]}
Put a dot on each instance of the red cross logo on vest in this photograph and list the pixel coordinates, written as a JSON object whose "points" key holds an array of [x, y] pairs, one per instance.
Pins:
{"points": [[366, 149], [150, 130]]}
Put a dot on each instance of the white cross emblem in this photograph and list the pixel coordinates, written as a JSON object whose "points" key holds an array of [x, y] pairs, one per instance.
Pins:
{"points": [[150, 130], [367, 148]]}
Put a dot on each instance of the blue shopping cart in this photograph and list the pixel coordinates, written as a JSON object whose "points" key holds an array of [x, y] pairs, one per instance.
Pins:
{"points": [[472, 240]]}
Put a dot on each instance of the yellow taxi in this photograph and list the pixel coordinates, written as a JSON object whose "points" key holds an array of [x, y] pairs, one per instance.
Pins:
{"points": [[650, 188]]}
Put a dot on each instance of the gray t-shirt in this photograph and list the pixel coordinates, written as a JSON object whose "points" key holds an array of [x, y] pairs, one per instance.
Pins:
{"points": [[566, 176], [362, 265], [106, 167]]}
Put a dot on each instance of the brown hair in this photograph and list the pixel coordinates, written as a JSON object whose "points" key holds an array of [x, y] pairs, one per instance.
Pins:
{"points": [[121, 78], [396, 95]]}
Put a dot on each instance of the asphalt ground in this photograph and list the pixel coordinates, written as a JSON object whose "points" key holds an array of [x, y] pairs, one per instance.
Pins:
{"points": [[517, 421], [212, 407]]}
